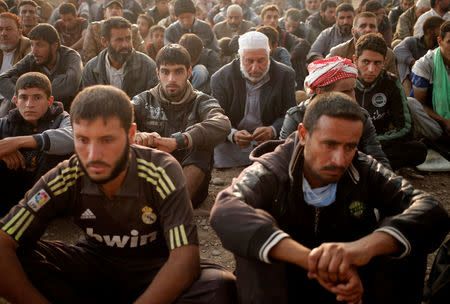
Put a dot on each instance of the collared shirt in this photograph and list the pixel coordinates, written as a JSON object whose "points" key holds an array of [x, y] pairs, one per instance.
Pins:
{"points": [[115, 76], [418, 27], [327, 39], [8, 59]]}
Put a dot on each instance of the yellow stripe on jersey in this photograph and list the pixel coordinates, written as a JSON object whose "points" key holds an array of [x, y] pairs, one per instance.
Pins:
{"points": [[161, 170], [177, 236], [172, 245], [183, 235], [68, 169], [156, 175], [67, 181], [24, 227], [153, 182], [11, 221], [18, 223]]}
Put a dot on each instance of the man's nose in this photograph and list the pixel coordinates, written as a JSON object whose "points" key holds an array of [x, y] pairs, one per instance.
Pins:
{"points": [[371, 67], [94, 152], [339, 157]]}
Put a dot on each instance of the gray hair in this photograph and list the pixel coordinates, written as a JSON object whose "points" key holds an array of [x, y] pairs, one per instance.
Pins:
{"points": [[234, 8], [423, 4]]}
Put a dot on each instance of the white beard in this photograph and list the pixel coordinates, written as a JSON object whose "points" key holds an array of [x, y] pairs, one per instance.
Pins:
{"points": [[254, 79]]}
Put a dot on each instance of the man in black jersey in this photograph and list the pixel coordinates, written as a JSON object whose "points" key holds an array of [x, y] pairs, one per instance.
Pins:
{"points": [[141, 240]]}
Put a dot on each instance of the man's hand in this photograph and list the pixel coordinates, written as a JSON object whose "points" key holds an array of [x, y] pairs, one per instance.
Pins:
{"points": [[165, 144], [14, 160], [242, 138], [8, 145], [146, 139], [262, 134]]}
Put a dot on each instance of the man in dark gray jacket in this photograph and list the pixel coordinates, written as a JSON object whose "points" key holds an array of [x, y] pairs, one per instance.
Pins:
{"points": [[60, 64], [119, 64], [175, 118]]}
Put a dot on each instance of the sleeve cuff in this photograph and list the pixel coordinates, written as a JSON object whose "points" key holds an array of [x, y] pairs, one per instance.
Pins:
{"points": [[275, 135], [189, 140], [396, 234], [230, 136], [39, 140], [273, 239]]}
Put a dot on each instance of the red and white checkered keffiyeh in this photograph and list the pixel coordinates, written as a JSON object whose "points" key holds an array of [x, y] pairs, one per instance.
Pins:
{"points": [[326, 71]]}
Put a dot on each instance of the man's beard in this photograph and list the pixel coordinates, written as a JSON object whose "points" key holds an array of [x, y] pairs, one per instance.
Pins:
{"points": [[117, 56], [345, 31], [254, 79], [119, 166], [5, 47]]}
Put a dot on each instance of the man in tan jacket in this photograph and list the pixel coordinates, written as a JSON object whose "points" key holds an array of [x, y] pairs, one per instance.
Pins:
{"points": [[93, 43]]}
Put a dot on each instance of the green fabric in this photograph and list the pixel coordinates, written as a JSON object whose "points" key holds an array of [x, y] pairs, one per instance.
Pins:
{"points": [[441, 87]]}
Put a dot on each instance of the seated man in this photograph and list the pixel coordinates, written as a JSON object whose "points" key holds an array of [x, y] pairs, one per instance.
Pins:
{"points": [[93, 45], [177, 119], [339, 33], [204, 62], [306, 210], [293, 22], [311, 7], [188, 23], [28, 13], [415, 47], [439, 8], [383, 25], [156, 41], [119, 64], [60, 64], [255, 92], [381, 94], [364, 23], [71, 28], [431, 85], [233, 25], [334, 74], [159, 11], [395, 13], [406, 21], [141, 240], [34, 137], [321, 20], [277, 52]]}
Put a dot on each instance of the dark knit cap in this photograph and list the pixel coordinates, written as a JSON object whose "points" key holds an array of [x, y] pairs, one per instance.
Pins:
{"points": [[184, 6]]}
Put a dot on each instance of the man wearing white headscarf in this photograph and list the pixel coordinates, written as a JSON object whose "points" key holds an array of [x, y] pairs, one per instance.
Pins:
{"points": [[335, 74], [255, 93]]}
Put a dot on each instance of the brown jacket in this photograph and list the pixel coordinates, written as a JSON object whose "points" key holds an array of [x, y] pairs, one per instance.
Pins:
{"points": [[222, 29], [22, 49], [92, 45], [405, 25], [347, 50]]}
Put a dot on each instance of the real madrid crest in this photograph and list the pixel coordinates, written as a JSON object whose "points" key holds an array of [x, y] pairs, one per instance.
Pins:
{"points": [[148, 216], [356, 208], [379, 100]]}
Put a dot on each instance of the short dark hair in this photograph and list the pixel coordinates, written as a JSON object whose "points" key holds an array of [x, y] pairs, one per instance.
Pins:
{"points": [[373, 6], [333, 104], [67, 8], [294, 14], [363, 15], [345, 7], [173, 54], [148, 18], [25, 2], [103, 101], [156, 28], [193, 44], [12, 17], [432, 3], [270, 32], [116, 23], [4, 5], [224, 45], [34, 80], [431, 23], [445, 28], [372, 42], [269, 7], [45, 32], [326, 4]]}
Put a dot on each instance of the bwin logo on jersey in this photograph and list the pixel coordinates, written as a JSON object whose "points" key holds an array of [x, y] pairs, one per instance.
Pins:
{"points": [[121, 241]]}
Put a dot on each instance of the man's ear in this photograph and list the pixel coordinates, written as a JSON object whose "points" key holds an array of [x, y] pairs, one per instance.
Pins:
{"points": [[15, 100], [104, 42], [189, 72], [302, 134], [353, 31], [50, 100], [354, 59], [132, 133]]}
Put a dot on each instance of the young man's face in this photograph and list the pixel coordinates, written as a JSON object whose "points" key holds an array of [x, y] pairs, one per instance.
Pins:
{"points": [[162, 6], [329, 150], [345, 21], [102, 147], [173, 79], [444, 44], [113, 10], [9, 34], [329, 15], [43, 52], [120, 44], [380, 15], [270, 18], [370, 64], [32, 104], [186, 20], [234, 19], [157, 39], [255, 64], [143, 26], [364, 25], [291, 25], [405, 4], [69, 20], [28, 14], [346, 86], [312, 5]]}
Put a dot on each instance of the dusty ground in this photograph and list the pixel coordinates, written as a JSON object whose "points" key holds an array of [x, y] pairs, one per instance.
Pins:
{"points": [[210, 246]]}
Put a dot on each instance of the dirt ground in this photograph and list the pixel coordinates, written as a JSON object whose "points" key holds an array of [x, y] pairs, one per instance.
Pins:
{"points": [[210, 246]]}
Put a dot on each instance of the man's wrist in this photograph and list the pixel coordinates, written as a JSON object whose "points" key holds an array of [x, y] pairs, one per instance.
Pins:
{"points": [[180, 139]]}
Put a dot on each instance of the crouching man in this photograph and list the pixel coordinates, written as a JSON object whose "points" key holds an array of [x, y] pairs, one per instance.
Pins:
{"points": [[316, 191], [34, 137], [141, 240]]}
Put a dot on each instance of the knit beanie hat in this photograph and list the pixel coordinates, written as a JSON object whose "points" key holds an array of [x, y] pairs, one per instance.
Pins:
{"points": [[184, 6]]}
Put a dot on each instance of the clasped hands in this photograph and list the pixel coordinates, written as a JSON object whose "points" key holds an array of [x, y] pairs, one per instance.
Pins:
{"points": [[10, 154], [243, 138], [154, 140]]}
